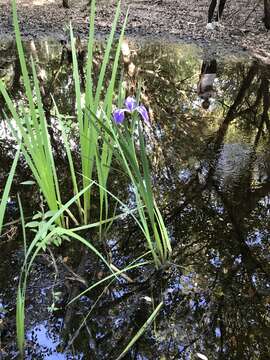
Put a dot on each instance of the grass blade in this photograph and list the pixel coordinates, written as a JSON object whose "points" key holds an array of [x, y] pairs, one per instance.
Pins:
{"points": [[20, 320], [4, 199], [141, 331]]}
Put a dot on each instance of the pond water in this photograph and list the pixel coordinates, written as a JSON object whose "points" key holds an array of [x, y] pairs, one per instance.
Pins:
{"points": [[211, 176]]}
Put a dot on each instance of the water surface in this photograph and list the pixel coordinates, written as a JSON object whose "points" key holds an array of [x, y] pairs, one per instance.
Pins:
{"points": [[211, 175]]}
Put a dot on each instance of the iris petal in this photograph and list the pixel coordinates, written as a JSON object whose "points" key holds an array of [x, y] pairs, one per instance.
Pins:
{"points": [[144, 114], [119, 116], [130, 103]]}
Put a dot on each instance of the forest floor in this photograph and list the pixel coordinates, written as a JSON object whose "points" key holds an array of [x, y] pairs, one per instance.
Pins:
{"points": [[171, 21]]}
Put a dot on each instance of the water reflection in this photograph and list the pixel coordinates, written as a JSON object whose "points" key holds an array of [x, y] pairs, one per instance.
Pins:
{"points": [[212, 178]]}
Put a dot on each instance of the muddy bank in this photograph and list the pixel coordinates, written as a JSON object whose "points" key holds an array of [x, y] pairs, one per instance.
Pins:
{"points": [[171, 21]]}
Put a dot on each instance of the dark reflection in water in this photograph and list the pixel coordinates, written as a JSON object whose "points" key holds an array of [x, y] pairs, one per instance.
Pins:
{"points": [[211, 174]]}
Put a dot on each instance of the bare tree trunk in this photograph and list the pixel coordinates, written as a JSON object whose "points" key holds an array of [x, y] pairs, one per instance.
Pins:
{"points": [[267, 14], [66, 4], [232, 112]]}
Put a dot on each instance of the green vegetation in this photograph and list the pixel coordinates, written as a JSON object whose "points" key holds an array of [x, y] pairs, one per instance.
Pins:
{"points": [[100, 140], [6, 191], [31, 127], [141, 331], [134, 162]]}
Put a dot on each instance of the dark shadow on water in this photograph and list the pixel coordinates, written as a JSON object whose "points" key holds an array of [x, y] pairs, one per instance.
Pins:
{"points": [[211, 175]]}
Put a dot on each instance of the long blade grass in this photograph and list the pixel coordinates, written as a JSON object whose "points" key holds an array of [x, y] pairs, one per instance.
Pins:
{"points": [[20, 295], [134, 162], [31, 128], [43, 237], [94, 153], [97, 143], [20, 320], [4, 199], [141, 331]]}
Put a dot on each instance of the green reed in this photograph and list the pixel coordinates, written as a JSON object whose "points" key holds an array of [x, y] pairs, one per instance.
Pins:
{"points": [[40, 241], [99, 141], [31, 129], [4, 198], [130, 151]]}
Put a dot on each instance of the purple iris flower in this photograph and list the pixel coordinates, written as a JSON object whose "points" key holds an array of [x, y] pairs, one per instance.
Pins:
{"points": [[130, 106]]}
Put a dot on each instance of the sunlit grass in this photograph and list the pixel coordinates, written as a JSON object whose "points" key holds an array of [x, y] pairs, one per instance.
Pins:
{"points": [[44, 236], [41, 239], [5, 195], [130, 151], [99, 142], [31, 126]]}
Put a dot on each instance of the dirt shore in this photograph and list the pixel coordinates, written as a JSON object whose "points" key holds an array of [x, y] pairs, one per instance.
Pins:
{"points": [[172, 20]]}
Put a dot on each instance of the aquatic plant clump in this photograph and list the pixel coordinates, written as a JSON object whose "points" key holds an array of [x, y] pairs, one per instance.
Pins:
{"points": [[32, 129], [130, 152], [96, 153]]}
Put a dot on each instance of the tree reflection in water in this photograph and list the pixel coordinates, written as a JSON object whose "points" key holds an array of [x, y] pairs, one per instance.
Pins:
{"points": [[212, 178]]}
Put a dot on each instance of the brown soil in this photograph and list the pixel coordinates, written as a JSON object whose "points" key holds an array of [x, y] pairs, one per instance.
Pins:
{"points": [[173, 20]]}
